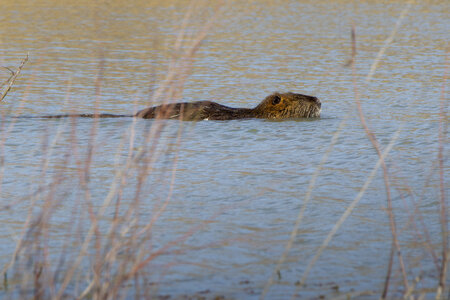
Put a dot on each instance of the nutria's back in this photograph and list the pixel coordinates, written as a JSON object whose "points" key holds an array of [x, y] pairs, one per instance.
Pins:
{"points": [[277, 106]]}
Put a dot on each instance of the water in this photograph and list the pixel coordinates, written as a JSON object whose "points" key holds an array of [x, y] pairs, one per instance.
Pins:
{"points": [[238, 186]]}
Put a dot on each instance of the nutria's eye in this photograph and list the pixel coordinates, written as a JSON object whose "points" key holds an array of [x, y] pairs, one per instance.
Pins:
{"points": [[276, 100]]}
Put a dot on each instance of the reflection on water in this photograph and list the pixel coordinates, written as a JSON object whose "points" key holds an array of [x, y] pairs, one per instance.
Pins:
{"points": [[243, 181]]}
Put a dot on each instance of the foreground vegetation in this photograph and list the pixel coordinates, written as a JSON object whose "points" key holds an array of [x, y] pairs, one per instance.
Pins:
{"points": [[98, 261]]}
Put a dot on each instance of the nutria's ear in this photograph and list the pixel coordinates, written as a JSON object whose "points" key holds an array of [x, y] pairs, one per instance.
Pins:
{"points": [[276, 99]]}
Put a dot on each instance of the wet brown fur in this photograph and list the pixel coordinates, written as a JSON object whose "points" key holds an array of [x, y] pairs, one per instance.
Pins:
{"points": [[277, 106]]}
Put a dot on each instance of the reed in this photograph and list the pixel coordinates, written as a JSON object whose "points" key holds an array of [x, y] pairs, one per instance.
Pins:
{"points": [[409, 288], [442, 199], [100, 266], [6, 86]]}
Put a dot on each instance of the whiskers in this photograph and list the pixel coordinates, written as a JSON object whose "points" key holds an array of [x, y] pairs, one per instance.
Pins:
{"points": [[304, 111]]}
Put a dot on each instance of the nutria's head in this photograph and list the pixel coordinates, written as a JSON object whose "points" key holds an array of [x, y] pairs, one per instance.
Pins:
{"points": [[288, 105]]}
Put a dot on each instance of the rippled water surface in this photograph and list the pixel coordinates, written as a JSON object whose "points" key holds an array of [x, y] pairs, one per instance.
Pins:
{"points": [[226, 195]]}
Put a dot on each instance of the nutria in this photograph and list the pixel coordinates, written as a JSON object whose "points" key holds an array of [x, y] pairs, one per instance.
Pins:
{"points": [[277, 106]]}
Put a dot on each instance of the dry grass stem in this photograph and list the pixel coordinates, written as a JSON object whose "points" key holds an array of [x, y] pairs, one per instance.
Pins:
{"points": [[380, 162], [376, 145], [443, 204], [180, 65], [349, 209], [12, 78], [302, 210], [126, 244], [387, 42]]}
